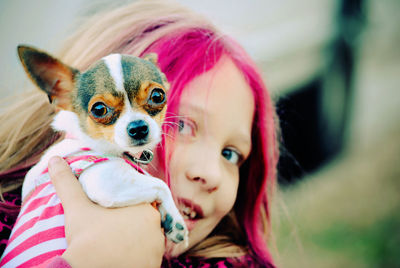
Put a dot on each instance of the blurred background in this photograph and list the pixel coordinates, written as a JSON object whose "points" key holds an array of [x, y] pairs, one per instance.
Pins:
{"points": [[333, 69]]}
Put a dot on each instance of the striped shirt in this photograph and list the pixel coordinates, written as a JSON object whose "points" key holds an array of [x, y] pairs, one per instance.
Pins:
{"points": [[38, 234]]}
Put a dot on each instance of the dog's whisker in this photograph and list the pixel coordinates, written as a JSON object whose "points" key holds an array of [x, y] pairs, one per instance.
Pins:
{"points": [[169, 136], [171, 127], [172, 115], [171, 124]]}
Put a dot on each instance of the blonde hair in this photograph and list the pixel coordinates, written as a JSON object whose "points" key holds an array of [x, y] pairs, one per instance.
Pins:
{"points": [[26, 125], [25, 129]]}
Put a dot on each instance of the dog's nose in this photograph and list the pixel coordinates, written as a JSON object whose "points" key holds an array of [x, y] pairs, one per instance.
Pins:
{"points": [[138, 130]]}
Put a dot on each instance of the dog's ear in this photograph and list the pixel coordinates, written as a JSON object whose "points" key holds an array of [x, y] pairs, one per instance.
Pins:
{"points": [[152, 57], [49, 74]]}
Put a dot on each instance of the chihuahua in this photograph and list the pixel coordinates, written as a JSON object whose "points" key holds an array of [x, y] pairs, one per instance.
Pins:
{"points": [[112, 115]]}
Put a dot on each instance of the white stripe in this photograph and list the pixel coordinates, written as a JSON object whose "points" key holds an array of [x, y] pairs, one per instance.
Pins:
{"points": [[114, 66], [48, 189], [55, 244], [54, 200], [40, 226]]}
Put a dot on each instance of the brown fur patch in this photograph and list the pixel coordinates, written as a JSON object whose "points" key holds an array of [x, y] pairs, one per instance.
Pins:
{"points": [[159, 117], [141, 97], [99, 131], [115, 106], [142, 100]]}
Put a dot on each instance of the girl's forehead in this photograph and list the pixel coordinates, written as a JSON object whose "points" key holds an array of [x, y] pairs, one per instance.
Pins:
{"points": [[222, 84], [221, 99]]}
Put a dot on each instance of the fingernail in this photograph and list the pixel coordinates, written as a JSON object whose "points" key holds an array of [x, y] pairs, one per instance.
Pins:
{"points": [[54, 160]]}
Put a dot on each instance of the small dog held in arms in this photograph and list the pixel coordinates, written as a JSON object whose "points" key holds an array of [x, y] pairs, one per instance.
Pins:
{"points": [[111, 115]]}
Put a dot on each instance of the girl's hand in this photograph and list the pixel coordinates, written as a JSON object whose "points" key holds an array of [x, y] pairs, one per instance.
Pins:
{"points": [[101, 237]]}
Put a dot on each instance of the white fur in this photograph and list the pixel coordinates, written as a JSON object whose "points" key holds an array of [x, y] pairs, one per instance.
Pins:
{"points": [[61, 149], [68, 122], [121, 136], [112, 183], [113, 62]]}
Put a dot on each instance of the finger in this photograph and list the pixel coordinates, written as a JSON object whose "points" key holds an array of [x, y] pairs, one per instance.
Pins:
{"points": [[67, 186]]}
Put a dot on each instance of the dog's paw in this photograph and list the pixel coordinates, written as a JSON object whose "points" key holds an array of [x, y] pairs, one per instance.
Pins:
{"points": [[174, 226]]}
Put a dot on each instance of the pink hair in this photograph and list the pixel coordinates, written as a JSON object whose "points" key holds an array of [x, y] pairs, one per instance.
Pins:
{"points": [[193, 51], [186, 54]]}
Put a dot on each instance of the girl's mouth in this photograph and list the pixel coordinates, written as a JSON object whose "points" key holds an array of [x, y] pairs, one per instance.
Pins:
{"points": [[190, 210]]}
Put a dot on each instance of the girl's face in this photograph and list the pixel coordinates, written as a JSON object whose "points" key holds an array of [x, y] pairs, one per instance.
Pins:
{"points": [[214, 138]]}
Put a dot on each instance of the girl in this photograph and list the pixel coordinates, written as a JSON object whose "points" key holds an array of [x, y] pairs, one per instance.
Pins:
{"points": [[218, 153]]}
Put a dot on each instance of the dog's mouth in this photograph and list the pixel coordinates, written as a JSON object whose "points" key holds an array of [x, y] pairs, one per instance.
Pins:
{"points": [[144, 157], [133, 156]]}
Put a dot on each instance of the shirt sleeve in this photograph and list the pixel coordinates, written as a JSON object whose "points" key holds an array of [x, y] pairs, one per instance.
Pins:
{"points": [[56, 262]]}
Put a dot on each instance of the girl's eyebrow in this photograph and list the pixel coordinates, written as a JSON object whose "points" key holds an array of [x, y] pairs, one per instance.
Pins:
{"points": [[193, 107]]}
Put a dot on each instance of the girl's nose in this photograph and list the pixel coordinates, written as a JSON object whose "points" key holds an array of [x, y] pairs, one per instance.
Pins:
{"points": [[206, 171]]}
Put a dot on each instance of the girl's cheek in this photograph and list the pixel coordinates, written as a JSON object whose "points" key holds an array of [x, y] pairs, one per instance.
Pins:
{"points": [[176, 166], [227, 200]]}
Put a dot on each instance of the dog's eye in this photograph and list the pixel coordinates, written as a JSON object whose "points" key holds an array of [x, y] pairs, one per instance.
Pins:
{"points": [[157, 96], [99, 109]]}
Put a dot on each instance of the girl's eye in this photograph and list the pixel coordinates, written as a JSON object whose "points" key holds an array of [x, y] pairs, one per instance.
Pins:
{"points": [[186, 127], [232, 156], [99, 109]]}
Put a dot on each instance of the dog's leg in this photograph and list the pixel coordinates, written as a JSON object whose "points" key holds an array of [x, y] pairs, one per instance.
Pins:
{"points": [[116, 184]]}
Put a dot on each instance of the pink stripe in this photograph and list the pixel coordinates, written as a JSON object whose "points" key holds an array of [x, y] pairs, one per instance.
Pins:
{"points": [[134, 166], [48, 212], [50, 234], [37, 261], [37, 203], [33, 205], [89, 158], [100, 160], [36, 191]]}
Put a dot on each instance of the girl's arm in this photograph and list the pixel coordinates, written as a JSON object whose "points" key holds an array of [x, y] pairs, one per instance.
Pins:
{"points": [[100, 237]]}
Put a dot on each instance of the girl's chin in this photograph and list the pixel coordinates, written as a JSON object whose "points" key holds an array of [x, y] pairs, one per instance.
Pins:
{"points": [[190, 224], [174, 250]]}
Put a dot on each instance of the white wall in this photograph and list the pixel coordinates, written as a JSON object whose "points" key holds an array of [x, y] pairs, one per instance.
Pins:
{"points": [[285, 35], [42, 23]]}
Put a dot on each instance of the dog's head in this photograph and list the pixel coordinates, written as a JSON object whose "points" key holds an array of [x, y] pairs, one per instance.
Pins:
{"points": [[117, 105]]}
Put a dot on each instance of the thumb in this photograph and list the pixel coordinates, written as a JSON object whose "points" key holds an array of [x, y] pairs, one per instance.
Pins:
{"points": [[67, 186]]}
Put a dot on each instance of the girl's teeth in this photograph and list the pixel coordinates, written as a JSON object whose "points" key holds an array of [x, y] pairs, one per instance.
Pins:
{"points": [[188, 213], [192, 214]]}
